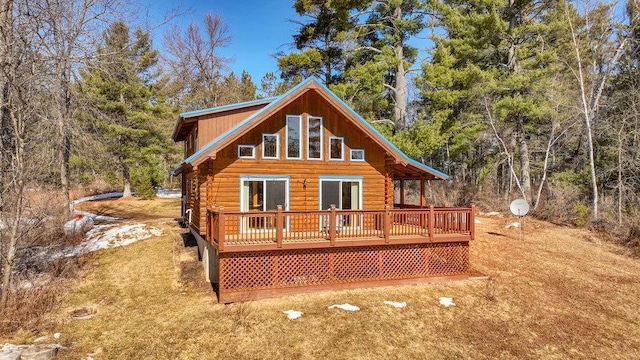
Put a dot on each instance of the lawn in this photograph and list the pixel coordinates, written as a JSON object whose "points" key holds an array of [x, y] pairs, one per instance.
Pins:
{"points": [[559, 293]]}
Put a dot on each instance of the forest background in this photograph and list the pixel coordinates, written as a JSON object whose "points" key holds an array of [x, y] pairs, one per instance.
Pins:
{"points": [[533, 99]]}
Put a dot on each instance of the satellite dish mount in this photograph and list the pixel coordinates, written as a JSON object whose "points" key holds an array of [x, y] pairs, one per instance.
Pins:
{"points": [[519, 208]]}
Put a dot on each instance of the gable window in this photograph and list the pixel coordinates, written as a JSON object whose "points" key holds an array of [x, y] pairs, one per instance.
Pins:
{"points": [[336, 148], [357, 155], [314, 138], [294, 137], [270, 146], [246, 152]]}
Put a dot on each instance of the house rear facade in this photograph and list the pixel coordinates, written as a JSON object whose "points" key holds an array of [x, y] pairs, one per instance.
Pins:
{"points": [[282, 176]]}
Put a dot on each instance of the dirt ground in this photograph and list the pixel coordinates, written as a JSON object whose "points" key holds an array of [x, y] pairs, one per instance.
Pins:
{"points": [[557, 293]]}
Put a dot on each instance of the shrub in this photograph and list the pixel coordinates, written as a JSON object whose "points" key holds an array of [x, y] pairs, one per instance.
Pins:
{"points": [[580, 212]]}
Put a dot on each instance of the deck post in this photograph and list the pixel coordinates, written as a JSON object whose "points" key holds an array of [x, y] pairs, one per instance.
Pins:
{"points": [[221, 228], [401, 192], [423, 196], [387, 223], [472, 221], [332, 225], [208, 235], [432, 218], [279, 227]]}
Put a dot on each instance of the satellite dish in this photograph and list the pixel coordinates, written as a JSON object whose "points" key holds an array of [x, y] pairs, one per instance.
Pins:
{"points": [[519, 207]]}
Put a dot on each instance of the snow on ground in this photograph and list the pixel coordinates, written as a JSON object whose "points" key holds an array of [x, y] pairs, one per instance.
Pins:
{"points": [[396, 303], [110, 236], [447, 301], [347, 307], [95, 217], [169, 193], [98, 197], [293, 314]]}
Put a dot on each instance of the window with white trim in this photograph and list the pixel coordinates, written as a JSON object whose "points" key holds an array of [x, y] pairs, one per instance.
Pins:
{"points": [[336, 148], [294, 137], [314, 138], [356, 155], [270, 146], [246, 152]]}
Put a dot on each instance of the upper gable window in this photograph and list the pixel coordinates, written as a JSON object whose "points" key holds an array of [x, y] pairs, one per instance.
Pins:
{"points": [[270, 146], [294, 137], [336, 148], [357, 155], [314, 138], [246, 152]]}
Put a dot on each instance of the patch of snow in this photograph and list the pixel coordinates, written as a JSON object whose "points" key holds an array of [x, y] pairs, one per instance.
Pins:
{"points": [[169, 193], [57, 335], [41, 339], [492, 213], [98, 197], [396, 303], [513, 225], [11, 352], [476, 221], [293, 314], [447, 301], [95, 217], [110, 236], [347, 307], [78, 226]]}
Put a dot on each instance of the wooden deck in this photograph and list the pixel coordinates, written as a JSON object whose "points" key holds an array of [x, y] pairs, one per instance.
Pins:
{"points": [[280, 252], [297, 229]]}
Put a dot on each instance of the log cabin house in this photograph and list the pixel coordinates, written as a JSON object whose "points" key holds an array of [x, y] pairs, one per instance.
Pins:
{"points": [[296, 193]]}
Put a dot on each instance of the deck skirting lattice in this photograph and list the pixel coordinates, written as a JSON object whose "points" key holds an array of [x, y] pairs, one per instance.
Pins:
{"points": [[250, 275]]}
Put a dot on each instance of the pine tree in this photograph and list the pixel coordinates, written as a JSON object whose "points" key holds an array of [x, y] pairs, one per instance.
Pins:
{"points": [[126, 107], [491, 73]]}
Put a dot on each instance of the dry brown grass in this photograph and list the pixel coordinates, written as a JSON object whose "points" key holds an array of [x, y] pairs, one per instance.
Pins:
{"points": [[560, 293]]}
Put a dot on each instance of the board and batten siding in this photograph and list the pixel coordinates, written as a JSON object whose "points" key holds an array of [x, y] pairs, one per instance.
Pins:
{"points": [[211, 126]]}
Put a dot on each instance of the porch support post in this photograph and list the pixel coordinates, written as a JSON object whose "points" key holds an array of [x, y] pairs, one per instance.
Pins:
{"points": [[431, 222], [221, 228], [207, 234], [472, 222], [423, 198], [387, 223], [279, 227], [332, 226], [402, 193]]}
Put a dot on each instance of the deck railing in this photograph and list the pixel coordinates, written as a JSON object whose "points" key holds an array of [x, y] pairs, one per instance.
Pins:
{"points": [[307, 229]]}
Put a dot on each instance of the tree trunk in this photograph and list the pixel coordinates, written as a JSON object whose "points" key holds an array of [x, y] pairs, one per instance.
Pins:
{"points": [[523, 154], [126, 177], [64, 138], [400, 96]]}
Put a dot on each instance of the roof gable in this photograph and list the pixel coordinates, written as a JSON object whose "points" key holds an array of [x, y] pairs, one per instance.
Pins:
{"points": [[310, 84]]}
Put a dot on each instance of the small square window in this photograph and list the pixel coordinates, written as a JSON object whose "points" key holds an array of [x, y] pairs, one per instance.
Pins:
{"points": [[357, 155], [246, 152]]}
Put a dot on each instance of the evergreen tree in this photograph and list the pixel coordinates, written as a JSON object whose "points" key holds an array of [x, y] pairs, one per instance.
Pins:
{"points": [[491, 73], [125, 107], [320, 41]]}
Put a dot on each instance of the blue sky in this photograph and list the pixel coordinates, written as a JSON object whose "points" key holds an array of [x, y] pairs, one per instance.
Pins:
{"points": [[259, 29]]}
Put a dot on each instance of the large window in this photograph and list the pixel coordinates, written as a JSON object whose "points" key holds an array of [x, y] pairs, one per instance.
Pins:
{"points": [[294, 137], [270, 146], [336, 148], [314, 138]]}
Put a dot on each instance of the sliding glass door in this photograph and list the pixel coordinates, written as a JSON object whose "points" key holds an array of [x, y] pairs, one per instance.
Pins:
{"points": [[345, 194], [263, 194]]}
